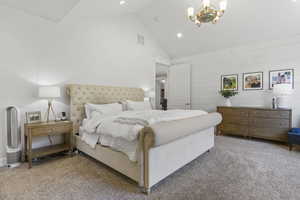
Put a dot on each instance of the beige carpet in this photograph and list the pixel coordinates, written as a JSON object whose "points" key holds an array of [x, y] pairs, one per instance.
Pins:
{"points": [[236, 169]]}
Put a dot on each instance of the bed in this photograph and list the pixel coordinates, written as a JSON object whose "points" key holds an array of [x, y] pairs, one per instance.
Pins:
{"points": [[163, 148]]}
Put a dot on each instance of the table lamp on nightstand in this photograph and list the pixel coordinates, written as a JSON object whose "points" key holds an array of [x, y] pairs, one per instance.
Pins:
{"points": [[50, 93]]}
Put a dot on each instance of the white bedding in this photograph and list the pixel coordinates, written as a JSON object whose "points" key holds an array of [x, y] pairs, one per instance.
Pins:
{"points": [[120, 131]]}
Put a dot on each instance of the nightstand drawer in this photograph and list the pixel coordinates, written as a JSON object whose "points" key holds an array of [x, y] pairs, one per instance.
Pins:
{"points": [[41, 131], [51, 130], [62, 129]]}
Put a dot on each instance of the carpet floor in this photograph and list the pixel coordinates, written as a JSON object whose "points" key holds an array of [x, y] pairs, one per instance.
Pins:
{"points": [[236, 169]]}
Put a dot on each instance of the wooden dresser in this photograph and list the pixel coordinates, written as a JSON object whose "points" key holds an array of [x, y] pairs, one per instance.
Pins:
{"points": [[270, 124]]}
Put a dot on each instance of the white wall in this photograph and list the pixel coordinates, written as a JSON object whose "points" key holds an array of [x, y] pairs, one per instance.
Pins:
{"points": [[208, 68], [90, 51]]}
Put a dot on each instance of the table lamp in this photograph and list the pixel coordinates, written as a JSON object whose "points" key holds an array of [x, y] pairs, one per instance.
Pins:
{"points": [[281, 92], [49, 93]]}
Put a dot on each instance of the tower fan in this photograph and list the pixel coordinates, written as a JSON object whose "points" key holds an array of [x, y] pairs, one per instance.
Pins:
{"points": [[14, 146]]}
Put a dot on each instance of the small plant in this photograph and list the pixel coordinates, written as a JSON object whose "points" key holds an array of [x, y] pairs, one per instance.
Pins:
{"points": [[228, 93]]}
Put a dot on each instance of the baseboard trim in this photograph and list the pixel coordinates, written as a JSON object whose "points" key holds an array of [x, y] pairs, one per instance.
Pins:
{"points": [[2, 161]]}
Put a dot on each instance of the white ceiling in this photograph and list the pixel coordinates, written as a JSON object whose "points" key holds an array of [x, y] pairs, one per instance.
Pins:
{"points": [[245, 22], [99, 8], [56, 10], [53, 10]]}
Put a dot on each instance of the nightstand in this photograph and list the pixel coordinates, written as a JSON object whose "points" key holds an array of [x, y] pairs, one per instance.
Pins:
{"points": [[47, 129]]}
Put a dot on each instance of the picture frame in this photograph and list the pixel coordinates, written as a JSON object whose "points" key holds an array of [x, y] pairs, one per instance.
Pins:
{"points": [[253, 81], [230, 82], [284, 76], [33, 117]]}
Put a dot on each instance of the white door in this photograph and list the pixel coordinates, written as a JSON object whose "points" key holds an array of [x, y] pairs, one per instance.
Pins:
{"points": [[179, 84]]}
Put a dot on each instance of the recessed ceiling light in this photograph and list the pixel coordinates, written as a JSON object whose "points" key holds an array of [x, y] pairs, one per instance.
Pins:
{"points": [[179, 35], [122, 2]]}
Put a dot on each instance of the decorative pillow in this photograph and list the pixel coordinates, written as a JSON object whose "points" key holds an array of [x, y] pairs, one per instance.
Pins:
{"points": [[105, 109], [138, 105]]}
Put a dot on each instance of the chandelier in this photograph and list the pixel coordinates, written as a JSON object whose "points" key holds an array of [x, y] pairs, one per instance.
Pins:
{"points": [[207, 13]]}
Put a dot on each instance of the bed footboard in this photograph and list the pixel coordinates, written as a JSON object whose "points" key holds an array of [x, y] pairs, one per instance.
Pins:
{"points": [[166, 147]]}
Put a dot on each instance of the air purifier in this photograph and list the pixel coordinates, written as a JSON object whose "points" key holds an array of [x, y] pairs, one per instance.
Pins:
{"points": [[14, 146]]}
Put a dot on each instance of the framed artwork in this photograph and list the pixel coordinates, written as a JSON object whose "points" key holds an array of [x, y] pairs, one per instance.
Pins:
{"points": [[285, 76], [33, 117], [253, 81], [229, 82]]}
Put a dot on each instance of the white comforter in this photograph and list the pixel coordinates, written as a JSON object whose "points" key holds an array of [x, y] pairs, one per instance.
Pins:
{"points": [[120, 132]]}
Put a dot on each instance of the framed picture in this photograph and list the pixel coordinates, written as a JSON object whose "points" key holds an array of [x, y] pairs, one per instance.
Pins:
{"points": [[229, 82], [33, 117], [253, 81], [285, 76]]}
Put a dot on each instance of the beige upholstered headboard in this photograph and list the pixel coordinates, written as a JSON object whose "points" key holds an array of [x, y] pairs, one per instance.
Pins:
{"points": [[82, 94]]}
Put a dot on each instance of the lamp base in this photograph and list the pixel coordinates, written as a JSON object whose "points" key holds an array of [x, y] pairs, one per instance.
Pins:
{"points": [[50, 109], [228, 102]]}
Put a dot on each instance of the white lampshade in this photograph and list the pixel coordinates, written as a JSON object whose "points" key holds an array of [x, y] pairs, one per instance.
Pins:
{"points": [[206, 3], [49, 92], [282, 90], [191, 12], [223, 5]]}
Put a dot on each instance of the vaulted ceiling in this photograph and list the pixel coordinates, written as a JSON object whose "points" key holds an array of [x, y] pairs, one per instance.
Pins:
{"points": [[245, 22], [53, 10], [56, 10]]}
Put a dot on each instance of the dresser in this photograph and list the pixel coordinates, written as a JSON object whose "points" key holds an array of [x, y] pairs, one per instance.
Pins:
{"points": [[263, 123]]}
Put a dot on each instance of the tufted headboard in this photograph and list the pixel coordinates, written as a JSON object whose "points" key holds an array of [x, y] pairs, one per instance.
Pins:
{"points": [[82, 94]]}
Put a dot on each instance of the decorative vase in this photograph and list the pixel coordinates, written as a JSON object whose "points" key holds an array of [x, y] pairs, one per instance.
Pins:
{"points": [[228, 102]]}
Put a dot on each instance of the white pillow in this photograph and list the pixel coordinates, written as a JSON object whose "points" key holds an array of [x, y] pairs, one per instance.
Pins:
{"points": [[105, 109], [124, 105], [138, 105]]}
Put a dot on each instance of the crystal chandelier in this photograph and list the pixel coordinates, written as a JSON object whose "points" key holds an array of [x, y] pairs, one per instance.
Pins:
{"points": [[207, 13]]}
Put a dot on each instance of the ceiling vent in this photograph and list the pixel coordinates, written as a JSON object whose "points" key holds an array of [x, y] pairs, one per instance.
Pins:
{"points": [[141, 39]]}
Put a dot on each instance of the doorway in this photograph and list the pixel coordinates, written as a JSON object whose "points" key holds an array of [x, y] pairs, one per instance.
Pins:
{"points": [[161, 86]]}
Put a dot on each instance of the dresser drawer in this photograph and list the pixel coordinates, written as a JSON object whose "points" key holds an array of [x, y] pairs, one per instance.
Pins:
{"points": [[269, 123], [270, 114], [226, 112], [235, 120], [279, 134], [233, 129], [51, 130]]}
